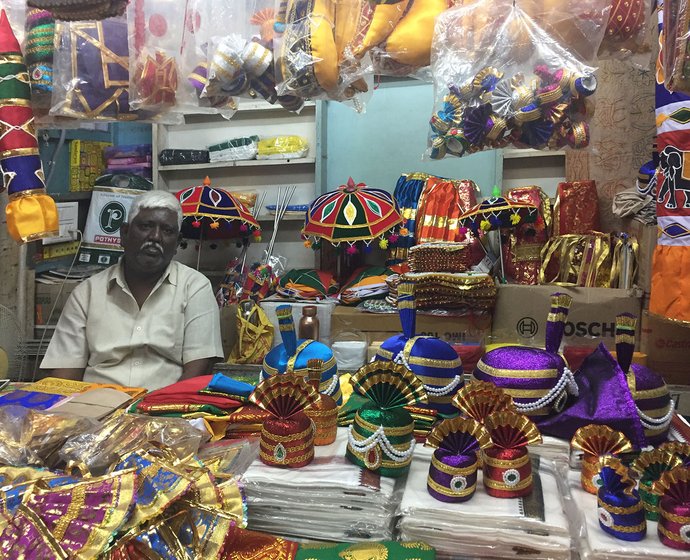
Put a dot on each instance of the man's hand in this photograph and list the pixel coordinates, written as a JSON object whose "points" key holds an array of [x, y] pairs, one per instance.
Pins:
{"points": [[197, 367], [75, 374]]}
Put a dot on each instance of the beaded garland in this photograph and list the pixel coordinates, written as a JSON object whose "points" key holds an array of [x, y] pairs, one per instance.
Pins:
{"points": [[493, 110]]}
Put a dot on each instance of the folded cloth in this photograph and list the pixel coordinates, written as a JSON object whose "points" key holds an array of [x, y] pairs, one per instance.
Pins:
{"points": [[536, 522], [370, 551], [365, 282], [228, 386], [473, 291], [188, 392], [307, 283]]}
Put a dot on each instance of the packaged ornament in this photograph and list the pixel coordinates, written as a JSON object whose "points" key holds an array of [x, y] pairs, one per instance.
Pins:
{"points": [[512, 86]]}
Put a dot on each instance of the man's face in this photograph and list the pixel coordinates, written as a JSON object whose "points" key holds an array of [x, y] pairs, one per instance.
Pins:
{"points": [[150, 241]]}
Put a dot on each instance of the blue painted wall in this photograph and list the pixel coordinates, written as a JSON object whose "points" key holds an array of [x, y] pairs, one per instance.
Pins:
{"points": [[390, 139]]}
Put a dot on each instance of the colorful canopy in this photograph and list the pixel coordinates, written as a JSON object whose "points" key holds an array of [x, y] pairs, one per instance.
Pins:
{"points": [[213, 213], [497, 212], [352, 213]]}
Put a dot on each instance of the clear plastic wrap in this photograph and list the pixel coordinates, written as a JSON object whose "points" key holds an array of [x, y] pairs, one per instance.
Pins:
{"points": [[94, 450], [314, 50], [30, 437], [155, 34], [505, 83], [282, 147], [182, 157], [676, 46], [627, 35], [91, 73], [234, 149]]}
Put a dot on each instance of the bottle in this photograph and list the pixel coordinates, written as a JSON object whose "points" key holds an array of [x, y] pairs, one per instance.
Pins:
{"points": [[324, 412], [309, 324]]}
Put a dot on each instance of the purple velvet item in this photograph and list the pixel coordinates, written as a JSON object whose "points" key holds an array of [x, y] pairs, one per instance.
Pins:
{"points": [[604, 398], [457, 487], [650, 394], [101, 80]]}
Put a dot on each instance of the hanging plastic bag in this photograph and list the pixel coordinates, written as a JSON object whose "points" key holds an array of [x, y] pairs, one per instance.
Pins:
{"points": [[676, 47], [506, 82], [91, 73], [628, 34], [154, 44], [314, 53]]}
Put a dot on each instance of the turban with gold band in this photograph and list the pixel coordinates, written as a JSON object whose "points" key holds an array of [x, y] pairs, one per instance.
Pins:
{"points": [[31, 213]]}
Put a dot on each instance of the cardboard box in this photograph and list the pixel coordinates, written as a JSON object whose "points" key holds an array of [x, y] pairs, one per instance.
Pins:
{"points": [[521, 312], [646, 237], [667, 345], [681, 396], [377, 327]]}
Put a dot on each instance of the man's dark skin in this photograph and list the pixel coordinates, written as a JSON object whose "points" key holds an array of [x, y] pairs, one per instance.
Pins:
{"points": [[149, 243]]}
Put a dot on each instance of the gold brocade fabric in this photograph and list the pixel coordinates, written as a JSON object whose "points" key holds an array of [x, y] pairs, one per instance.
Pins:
{"points": [[433, 290], [254, 337], [593, 260], [577, 208]]}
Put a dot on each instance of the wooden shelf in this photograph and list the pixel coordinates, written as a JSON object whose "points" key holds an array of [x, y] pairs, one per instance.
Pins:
{"points": [[515, 153], [71, 196], [238, 163], [260, 105]]}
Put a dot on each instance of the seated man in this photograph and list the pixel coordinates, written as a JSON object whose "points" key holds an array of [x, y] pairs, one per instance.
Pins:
{"points": [[147, 321]]}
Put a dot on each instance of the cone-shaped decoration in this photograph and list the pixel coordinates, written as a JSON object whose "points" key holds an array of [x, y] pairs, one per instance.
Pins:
{"points": [[324, 412], [625, 340], [287, 328], [620, 510], [555, 325], [31, 213]]}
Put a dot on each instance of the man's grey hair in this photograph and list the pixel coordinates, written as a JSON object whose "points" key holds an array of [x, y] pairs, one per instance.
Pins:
{"points": [[154, 200]]}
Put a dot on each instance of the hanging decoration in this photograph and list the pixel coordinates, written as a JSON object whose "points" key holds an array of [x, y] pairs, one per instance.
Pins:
{"points": [[31, 213], [214, 213]]}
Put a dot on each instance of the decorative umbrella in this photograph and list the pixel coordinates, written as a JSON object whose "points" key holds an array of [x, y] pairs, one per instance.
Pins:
{"points": [[350, 214], [213, 213], [495, 213]]}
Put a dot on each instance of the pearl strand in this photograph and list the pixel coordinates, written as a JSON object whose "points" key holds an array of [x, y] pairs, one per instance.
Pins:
{"points": [[379, 438], [566, 379], [443, 391], [332, 387], [657, 423]]}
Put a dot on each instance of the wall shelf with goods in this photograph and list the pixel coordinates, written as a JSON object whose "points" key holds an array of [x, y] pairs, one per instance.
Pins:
{"points": [[521, 167], [261, 176]]}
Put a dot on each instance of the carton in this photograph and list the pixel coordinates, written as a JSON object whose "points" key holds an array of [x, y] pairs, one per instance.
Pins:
{"points": [[48, 295], [667, 345], [521, 312], [377, 327]]}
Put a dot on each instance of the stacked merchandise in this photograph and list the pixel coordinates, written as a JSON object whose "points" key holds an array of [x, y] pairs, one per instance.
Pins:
{"points": [[86, 164], [500, 528], [133, 160], [330, 499]]}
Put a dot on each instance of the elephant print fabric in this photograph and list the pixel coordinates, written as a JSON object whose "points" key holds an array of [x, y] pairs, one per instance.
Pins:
{"points": [[670, 278]]}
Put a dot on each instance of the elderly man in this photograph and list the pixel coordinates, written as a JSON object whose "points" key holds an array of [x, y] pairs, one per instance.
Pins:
{"points": [[147, 321]]}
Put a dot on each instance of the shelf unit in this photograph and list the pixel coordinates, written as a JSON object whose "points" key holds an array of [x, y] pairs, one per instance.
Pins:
{"points": [[262, 176], [521, 167]]}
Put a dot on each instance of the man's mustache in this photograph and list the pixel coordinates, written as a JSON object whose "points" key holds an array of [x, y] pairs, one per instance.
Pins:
{"points": [[153, 244]]}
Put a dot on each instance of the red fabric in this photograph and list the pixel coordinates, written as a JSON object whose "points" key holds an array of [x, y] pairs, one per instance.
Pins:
{"points": [[8, 41], [470, 355], [578, 208], [187, 392], [496, 474], [17, 116]]}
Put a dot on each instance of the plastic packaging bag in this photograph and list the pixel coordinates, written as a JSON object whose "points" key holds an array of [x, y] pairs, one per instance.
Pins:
{"points": [[234, 149], [628, 34], [154, 44], [676, 47], [314, 54], [505, 83], [283, 147], [96, 449], [30, 437], [91, 73]]}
